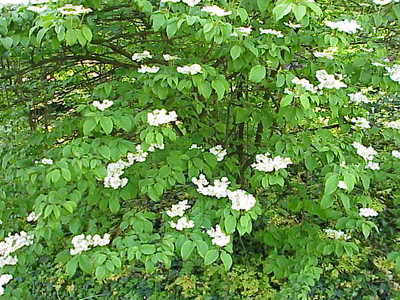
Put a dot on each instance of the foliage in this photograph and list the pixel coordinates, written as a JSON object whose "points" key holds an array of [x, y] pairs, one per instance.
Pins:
{"points": [[236, 86]]}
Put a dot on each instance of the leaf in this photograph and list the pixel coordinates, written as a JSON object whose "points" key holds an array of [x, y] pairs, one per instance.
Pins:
{"points": [[281, 10], [105, 151], [286, 100], [211, 256], [70, 37], [171, 29], [241, 114], [226, 259], [85, 264], [71, 266], [326, 201], [89, 125], [235, 51], [262, 5], [100, 272], [219, 87], [87, 33], [7, 42], [113, 204], [66, 174], [305, 102], [158, 21], [55, 175], [257, 73], [202, 247], [187, 249], [148, 249], [366, 230], [299, 11], [230, 224], [107, 124], [345, 201], [331, 184]]}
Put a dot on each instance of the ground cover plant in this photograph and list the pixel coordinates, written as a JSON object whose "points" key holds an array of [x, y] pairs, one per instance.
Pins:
{"points": [[199, 149]]}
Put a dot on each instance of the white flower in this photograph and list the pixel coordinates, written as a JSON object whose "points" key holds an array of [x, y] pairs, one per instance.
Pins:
{"points": [[146, 69], [394, 73], [191, 3], [218, 237], [377, 64], [372, 165], [382, 2], [153, 147], [219, 152], [305, 84], [72, 10], [359, 98], [4, 279], [272, 32], [367, 212], [168, 57], [336, 234], [342, 185], [140, 56], [195, 146], [178, 210], [328, 81], [241, 200], [32, 217], [97, 240], [189, 70], [83, 243], [102, 105], [361, 123], [218, 190], [265, 163], [367, 153], [182, 223], [11, 244], [394, 124], [201, 181], [37, 9], [348, 26], [216, 11], [243, 31], [46, 161], [396, 153], [172, 1], [327, 53], [161, 116], [292, 25]]}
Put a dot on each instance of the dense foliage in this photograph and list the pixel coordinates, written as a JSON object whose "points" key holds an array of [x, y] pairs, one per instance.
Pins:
{"points": [[202, 149]]}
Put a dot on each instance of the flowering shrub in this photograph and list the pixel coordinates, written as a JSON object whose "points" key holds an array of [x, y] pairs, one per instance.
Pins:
{"points": [[180, 134]]}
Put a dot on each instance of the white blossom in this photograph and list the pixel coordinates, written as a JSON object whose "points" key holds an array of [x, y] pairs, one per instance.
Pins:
{"points": [[328, 81], [37, 9], [168, 57], [72, 10], [218, 237], [46, 161], [241, 200], [32, 217], [305, 84], [219, 152], [11, 244], [178, 210], [367, 153], [394, 124], [336, 234], [4, 279], [348, 26], [382, 2], [342, 185], [359, 98], [396, 154], [367, 212], [182, 223], [292, 25], [153, 147], [394, 73], [146, 69], [372, 165], [189, 70], [83, 243], [172, 1], [327, 53], [243, 31], [161, 116], [218, 190], [191, 3], [361, 123], [271, 32], [265, 163], [102, 105], [140, 56], [215, 11]]}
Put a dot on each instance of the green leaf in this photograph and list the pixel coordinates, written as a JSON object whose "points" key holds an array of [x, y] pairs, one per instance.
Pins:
{"points": [[241, 115], [366, 230], [89, 125], [158, 21], [87, 33], [327, 201], [7, 42], [281, 10], [107, 124], [187, 249], [100, 272], [71, 37], [230, 224], [257, 73], [219, 86], [286, 100], [202, 247], [113, 204], [299, 11], [235, 51], [211, 256], [85, 264], [226, 259], [55, 175], [172, 29], [105, 151], [331, 184], [66, 174], [262, 5], [71, 266], [304, 101], [148, 249]]}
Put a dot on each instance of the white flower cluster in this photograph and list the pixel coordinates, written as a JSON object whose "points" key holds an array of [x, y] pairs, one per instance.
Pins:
{"points": [[215, 11], [218, 237], [271, 32], [182, 223], [11, 244], [328, 81], [342, 185], [219, 152], [178, 210], [102, 105], [396, 154], [372, 165], [348, 26], [73, 10], [305, 84], [358, 98], [394, 124], [241, 200], [367, 212], [336, 234], [265, 163], [37, 9], [367, 153], [161, 116], [82, 243], [361, 123], [146, 69], [32, 217], [327, 53], [189, 70], [384, 2], [116, 170], [168, 57], [140, 56], [292, 25], [4, 279], [46, 161], [394, 73], [190, 3], [244, 31]]}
